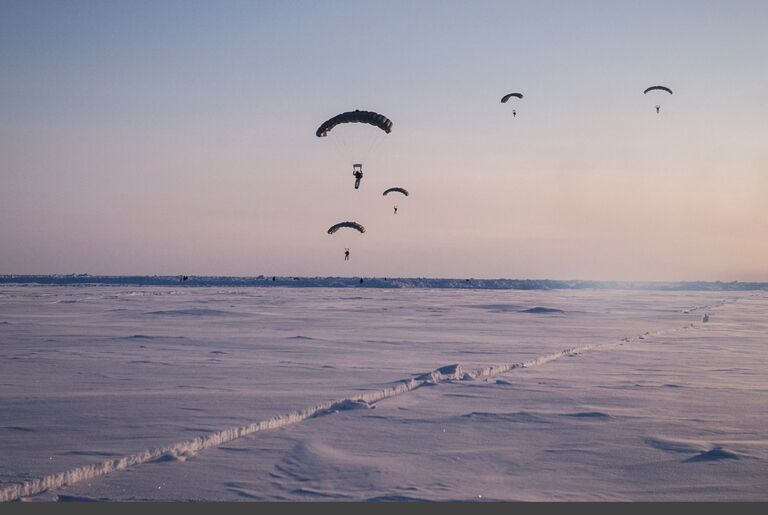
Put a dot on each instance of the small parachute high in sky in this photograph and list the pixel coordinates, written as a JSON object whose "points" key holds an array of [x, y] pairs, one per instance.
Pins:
{"points": [[657, 88], [352, 225], [663, 90], [510, 95], [356, 116], [396, 190]]}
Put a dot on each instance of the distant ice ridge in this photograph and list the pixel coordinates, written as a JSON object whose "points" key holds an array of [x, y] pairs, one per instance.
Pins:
{"points": [[374, 282], [180, 451]]}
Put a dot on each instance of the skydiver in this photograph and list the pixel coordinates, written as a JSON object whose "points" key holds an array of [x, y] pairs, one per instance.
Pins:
{"points": [[346, 254], [395, 209], [357, 172], [658, 108], [514, 113]]}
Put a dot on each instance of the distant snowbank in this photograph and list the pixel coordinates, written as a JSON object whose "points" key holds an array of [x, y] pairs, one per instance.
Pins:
{"points": [[375, 282]]}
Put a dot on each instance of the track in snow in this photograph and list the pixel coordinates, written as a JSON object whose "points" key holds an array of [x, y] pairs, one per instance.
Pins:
{"points": [[186, 448]]}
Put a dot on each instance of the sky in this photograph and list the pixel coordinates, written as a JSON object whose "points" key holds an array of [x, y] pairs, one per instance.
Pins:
{"points": [[177, 137]]}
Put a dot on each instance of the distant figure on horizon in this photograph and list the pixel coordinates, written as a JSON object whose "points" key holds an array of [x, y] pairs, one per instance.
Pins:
{"points": [[357, 171], [658, 108], [395, 209], [346, 254], [514, 113]]}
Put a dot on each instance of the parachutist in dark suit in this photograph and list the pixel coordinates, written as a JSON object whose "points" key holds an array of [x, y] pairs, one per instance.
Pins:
{"points": [[357, 171]]}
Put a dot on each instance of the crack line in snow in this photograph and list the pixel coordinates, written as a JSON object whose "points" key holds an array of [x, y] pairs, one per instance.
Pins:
{"points": [[443, 374]]}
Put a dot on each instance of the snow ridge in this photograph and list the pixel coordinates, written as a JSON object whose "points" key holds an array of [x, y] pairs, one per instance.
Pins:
{"points": [[184, 449]]}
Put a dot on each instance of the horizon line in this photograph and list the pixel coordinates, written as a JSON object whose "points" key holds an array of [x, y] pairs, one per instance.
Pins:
{"points": [[373, 282]]}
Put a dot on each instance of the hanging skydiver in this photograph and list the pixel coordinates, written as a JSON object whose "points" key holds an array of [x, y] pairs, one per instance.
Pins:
{"points": [[663, 89], [506, 97], [395, 209], [357, 172], [346, 254]]}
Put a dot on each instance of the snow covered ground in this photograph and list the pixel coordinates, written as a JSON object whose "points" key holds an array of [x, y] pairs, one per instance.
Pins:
{"points": [[215, 393]]}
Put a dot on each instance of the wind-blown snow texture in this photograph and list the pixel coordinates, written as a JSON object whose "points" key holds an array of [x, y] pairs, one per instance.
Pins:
{"points": [[118, 393]]}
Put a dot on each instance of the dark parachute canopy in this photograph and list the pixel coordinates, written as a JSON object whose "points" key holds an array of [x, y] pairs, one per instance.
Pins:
{"points": [[356, 116], [397, 190], [508, 96], [660, 88], [351, 225]]}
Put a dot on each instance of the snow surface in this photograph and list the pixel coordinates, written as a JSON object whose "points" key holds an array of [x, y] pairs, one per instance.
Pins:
{"points": [[211, 393]]}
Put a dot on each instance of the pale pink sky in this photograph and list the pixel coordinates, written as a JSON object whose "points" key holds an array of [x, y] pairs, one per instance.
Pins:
{"points": [[163, 138]]}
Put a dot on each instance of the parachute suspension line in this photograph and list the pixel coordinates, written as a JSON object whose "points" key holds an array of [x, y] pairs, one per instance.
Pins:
{"points": [[341, 145], [364, 146], [374, 145], [355, 148]]}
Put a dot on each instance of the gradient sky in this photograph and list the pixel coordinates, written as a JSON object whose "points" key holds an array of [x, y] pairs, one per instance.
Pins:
{"points": [[178, 137]]}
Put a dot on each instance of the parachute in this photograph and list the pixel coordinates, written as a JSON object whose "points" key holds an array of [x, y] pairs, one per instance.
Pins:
{"points": [[397, 190], [351, 225], [660, 88], [507, 97], [657, 88], [356, 116]]}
